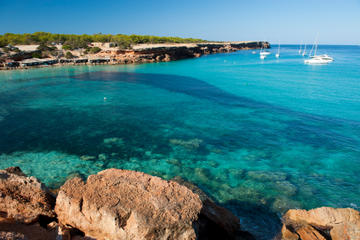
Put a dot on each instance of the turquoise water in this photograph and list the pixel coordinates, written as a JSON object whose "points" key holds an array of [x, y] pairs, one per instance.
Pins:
{"points": [[259, 137]]}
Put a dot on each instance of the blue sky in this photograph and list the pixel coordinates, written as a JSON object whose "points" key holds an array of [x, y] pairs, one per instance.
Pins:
{"points": [[287, 21]]}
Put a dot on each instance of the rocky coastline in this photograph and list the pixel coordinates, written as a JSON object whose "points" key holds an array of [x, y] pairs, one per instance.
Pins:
{"points": [[123, 204], [137, 54]]}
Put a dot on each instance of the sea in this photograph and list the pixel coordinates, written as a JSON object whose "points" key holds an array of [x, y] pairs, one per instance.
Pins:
{"points": [[258, 136]]}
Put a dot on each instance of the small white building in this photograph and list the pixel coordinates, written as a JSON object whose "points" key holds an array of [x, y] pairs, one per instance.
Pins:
{"points": [[104, 45]]}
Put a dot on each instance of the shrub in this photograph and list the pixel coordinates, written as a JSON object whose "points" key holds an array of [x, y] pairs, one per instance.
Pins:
{"points": [[43, 47], [36, 54], [69, 55], [67, 47], [94, 50]]}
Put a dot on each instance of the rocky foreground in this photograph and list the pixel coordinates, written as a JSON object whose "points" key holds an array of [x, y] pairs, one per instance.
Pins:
{"points": [[122, 204]]}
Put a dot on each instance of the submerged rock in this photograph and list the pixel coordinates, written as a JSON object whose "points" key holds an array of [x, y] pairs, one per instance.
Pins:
{"points": [[266, 176], [285, 188], [282, 203], [122, 204], [24, 199], [113, 142], [321, 224], [191, 144], [202, 174], [87, 158], [235, 173]]}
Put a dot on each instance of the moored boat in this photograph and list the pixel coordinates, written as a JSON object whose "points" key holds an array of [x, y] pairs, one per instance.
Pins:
{"points": [[318, 59]]}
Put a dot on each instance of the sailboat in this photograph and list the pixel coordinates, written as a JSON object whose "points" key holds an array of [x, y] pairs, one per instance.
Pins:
{"points": [[264, 53], [277, 55], [300, 48], [304, 52], [318, 59]]}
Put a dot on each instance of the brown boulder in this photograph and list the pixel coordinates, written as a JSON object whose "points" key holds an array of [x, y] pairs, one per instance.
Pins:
{"points": [[11, 229], [221, 218], [321, 224], [11, 236], [24, 199], [122, 204]]}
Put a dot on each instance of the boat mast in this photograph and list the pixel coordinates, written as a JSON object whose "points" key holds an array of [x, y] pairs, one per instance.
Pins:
{"points": [[316, 43]]}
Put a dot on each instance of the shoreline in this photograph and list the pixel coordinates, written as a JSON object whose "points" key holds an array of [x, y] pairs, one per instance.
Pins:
{"points": [[139, 54]]}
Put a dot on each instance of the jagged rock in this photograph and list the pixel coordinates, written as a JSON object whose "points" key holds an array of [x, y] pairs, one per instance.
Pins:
{"points": [[323, 223], [11, 236], [122, 204], [24, 199], [215, 214], [10, 229]]}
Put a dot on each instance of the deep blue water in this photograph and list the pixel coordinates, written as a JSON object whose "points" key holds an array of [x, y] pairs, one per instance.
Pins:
{"points": [[259, 137]]}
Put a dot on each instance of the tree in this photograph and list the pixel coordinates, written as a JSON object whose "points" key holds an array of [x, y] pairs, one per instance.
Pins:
{"points": [[69, 55], [44, 47], [37, 54], [73, 41], [94, 50]]}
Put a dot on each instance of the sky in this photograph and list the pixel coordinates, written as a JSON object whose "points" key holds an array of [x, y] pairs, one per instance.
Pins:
{"points": [[284, 21]]}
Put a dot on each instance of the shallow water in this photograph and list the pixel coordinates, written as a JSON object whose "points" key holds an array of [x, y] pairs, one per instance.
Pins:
{"points": [[259, 137]]}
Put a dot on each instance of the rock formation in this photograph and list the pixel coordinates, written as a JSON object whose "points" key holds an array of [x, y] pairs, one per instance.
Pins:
{"points": [[122, 204], [323, 223], [12, 236], [146, 53], [140, 53], [24, 199]]}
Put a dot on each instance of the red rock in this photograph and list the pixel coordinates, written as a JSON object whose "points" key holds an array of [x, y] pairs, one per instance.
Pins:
{"points": [[122, 204], [321, 223], [11, 236], [14, 230], [24, 199]]}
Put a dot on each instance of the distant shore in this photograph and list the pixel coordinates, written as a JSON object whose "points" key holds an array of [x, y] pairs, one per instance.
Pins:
{"points": [[137, 54]]}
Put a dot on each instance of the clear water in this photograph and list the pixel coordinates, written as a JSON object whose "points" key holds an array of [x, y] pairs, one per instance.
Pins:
{"points": [[259, 137]]}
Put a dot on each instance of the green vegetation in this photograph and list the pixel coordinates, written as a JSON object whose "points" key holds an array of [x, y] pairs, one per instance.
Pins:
{"points": [[72, 41], [10, 49], [92, 50], [69, 55], [37, 54], [43, 47]]}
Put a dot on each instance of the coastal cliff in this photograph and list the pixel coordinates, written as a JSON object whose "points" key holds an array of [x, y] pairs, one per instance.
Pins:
{"points": [[123, 204], [144, 53], [140, 53]]}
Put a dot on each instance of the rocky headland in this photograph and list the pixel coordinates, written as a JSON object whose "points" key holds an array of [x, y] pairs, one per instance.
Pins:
{"points": [[123, 204], [139, 53]]}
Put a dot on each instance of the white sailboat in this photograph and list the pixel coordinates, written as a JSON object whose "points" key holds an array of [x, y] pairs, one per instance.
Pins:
{"points": [[300, 48], [304, 52], [277, 55], [264, 53], [318, 59]]}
